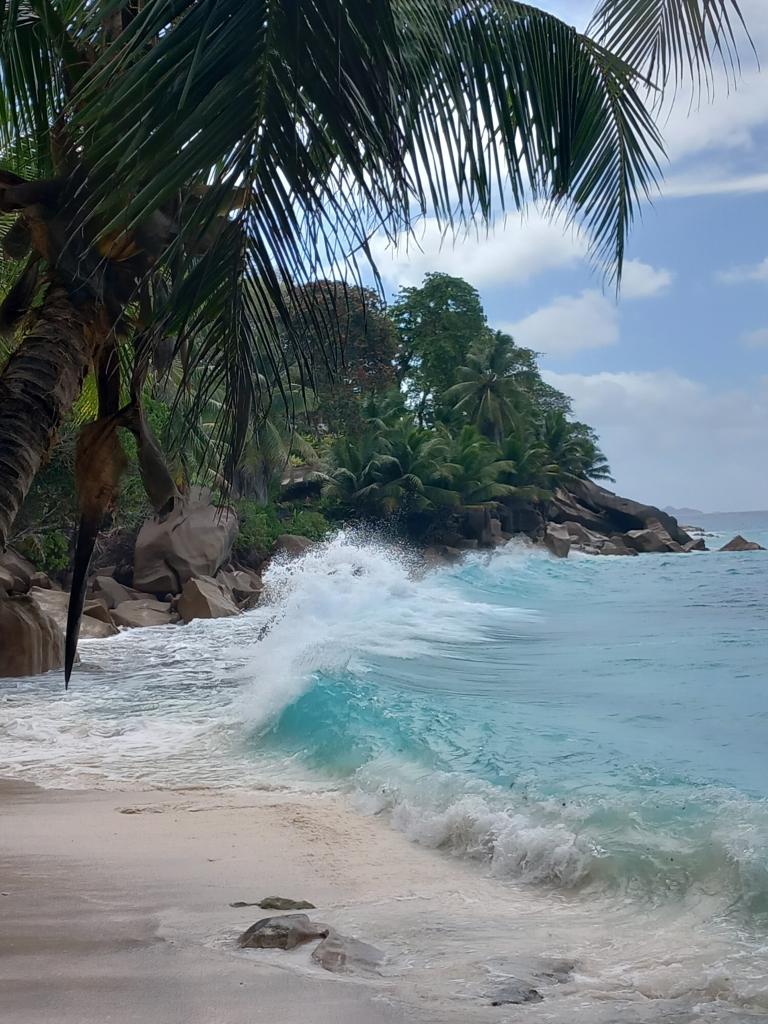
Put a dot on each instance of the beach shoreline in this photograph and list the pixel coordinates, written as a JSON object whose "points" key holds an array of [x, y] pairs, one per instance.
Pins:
{"points": [[116, 907]]}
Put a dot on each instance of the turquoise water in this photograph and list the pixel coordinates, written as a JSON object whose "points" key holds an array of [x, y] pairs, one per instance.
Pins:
{"points": [[590, 721], [595, 728]]}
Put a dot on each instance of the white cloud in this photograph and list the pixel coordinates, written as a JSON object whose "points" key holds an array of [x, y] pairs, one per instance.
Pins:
{"points": [[757, 338], [727, 123], [512, 253], [569, 324], [641, 280], [709, 144], [575, 323], [738, 275], [717, 183], [674, 440]]}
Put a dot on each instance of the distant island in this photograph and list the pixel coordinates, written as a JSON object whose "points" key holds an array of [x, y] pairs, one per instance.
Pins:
{"points": [[690, 515]]}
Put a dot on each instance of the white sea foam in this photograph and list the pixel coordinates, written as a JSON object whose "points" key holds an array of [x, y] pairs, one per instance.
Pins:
{"points": [[348, 600], [198, 705]]}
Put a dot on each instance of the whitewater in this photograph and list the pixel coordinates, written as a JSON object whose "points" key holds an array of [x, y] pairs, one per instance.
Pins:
{"points": [[590, 732]]}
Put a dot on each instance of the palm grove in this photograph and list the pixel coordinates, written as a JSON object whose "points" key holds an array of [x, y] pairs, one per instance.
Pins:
{"points": [[429, 412], [177, 172]]}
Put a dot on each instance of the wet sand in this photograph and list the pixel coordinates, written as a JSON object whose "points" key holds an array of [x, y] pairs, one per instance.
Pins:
{"points": [[115, 907]]}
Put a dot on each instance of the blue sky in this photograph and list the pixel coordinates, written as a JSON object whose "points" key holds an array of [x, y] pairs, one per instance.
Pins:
{"points": [[674, 375]]}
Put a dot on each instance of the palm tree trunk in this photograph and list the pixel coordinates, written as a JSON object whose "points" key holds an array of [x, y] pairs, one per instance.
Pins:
{"points": [[38, 387]]}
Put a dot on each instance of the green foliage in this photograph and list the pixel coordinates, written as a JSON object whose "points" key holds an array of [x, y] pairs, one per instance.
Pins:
{"points": [[307, 522], [438, 323], [239, 146], [48, 552], [488, 392], [359, 367], [259, 527], [498, 432]]}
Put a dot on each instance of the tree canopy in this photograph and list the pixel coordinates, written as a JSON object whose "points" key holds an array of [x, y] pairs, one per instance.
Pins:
{"points": [[175, 173]]}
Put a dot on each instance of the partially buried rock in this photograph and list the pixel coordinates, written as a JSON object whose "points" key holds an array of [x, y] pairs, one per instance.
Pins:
{"points": [[40, 579], [514, 992], [55, 603], [18, 569], [647, 542], [698, 544], [30, 640], [97, 609], [7, 581], [583, 537], [291, 545], [241, 583], [283, 903], [616, 546], [276, 903], [557, 540], [740, 543], [284, 932], [441, 554], [115, 593], [340, 953]]}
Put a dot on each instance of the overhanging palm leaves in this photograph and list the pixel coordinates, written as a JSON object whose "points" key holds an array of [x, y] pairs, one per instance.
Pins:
{"points": [[241, 146], [672, 39], [204, 158], [321, 123]]}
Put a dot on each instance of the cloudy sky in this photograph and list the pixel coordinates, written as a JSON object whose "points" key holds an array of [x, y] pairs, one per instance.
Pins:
{"points": [[675, 374]]}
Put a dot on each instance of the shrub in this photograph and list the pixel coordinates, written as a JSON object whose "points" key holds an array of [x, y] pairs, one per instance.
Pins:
{"points": [[259, 526], [48, 552], [307, 523]]}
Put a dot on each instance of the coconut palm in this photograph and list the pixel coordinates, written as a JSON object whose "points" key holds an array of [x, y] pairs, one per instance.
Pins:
{"points": [[532, 471], [177, 170], [572, 450], [487, 392], [401, 470], [413, 476], [594, 464], [476, 469], [353, 468]]}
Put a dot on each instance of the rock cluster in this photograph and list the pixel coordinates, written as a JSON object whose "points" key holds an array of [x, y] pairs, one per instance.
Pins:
{"points": [[182, 568], [335, 952], [178, 577]]}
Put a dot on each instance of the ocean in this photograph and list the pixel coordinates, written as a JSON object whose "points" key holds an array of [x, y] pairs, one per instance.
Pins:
{"points": [[592, 731]]}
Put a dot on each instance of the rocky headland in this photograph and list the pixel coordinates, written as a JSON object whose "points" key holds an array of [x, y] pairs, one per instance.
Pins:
{"points": [[181, 566]]}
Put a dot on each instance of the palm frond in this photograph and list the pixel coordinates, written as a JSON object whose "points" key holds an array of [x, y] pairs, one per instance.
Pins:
{"points": [[672, 40], [323, 123]]}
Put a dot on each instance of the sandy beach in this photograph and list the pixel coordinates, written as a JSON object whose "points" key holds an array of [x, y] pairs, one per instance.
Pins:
{"points": [[116, 907]]}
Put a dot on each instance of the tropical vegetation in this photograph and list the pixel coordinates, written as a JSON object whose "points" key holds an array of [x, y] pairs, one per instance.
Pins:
{"points": [[176, 175], [372, 449]]}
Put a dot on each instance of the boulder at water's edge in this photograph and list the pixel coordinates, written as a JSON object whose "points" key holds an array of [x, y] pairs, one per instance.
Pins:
{"points": [[740, 543], [557, 540], [194, 539], [205, 599], [30, 640]]}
